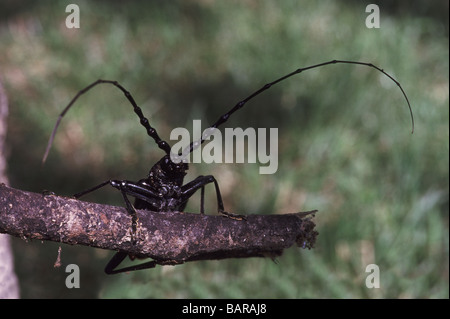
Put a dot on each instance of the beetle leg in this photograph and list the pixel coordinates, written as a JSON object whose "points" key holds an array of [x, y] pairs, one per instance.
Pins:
{"points": [[115, 261], [190, 188]]}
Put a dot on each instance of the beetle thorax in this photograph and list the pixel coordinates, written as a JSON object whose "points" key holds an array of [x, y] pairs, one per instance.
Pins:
{"points": [[166, 174]]}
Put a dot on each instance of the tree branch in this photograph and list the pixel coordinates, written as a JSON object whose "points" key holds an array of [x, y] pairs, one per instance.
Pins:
{"points": [[167, 237]]}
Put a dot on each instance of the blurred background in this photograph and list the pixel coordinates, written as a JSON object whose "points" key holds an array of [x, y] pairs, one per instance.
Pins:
{"points": [[345, 142]]}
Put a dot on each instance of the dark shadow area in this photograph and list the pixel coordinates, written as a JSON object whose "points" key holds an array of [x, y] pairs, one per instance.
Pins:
{"points": [[13, 8]]}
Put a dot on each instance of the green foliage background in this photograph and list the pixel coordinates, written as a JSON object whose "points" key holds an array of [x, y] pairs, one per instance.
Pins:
{"points": [[345, 145]]}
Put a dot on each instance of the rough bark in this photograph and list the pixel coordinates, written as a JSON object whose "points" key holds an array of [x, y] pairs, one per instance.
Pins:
{"points": [[167, 237]]}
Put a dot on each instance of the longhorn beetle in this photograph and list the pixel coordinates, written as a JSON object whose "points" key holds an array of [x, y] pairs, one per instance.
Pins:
{"points": [[163, 189]]}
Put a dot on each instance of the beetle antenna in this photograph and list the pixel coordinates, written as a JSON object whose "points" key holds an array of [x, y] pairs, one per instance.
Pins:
{"points": [[267, 86], [143, 120]]}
